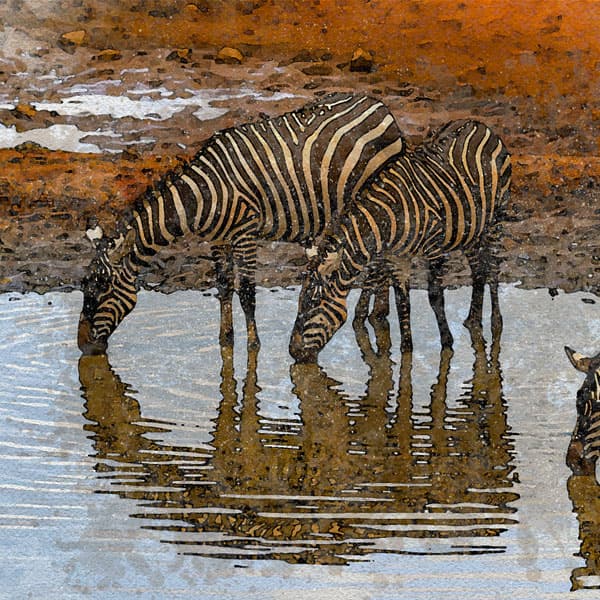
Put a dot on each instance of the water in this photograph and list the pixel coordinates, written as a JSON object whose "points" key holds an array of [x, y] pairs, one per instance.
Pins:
{"points": [[152, 105], [177, 468]]}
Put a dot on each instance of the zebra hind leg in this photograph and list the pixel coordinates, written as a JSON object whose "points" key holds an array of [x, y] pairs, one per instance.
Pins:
{"points": [[484, 269], [436, 300]]}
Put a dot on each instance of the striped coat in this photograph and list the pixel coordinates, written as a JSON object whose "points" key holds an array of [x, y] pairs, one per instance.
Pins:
{"points": [[584, 448], [446, 195], [278, 179]]}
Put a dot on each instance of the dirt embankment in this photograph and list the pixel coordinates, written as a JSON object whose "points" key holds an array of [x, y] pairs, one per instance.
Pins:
{"points": [[529, 71]]}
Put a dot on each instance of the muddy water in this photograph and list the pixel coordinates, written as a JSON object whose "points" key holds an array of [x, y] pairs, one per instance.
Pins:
{"points": [[177, 468]]}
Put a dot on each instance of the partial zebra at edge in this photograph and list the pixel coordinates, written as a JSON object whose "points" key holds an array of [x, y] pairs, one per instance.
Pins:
{"points": [[584, 447]]}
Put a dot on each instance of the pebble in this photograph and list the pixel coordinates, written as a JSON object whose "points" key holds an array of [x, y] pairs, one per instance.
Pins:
{"points": [[183, 55], [361, 61], [230, 56], [108, 55]]}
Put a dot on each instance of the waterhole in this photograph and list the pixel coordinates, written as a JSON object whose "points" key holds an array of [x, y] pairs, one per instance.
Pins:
{"points": [[176, 467]]}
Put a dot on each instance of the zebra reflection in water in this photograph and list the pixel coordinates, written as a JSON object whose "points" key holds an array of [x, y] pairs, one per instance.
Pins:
{"points": [[348, 477]]}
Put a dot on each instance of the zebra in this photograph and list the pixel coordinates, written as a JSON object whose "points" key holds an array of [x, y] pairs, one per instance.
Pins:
{"points": [[277, 179], [584, 447], [448, 194]]}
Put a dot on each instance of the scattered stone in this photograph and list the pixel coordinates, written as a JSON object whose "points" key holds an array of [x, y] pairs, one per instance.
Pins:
{"points": [[302, 56], [108, 55], [361, 61], [23, 111], [191, 9], [229, 56], [28, 147], [182, 55], [318, 69], [70, 40]]}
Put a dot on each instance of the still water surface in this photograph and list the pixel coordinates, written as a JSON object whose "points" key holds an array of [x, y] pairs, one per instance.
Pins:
{"points": [[177, 468]]}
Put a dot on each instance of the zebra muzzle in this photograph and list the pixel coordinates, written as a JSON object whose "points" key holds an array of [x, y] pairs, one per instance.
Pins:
{"points": [[300, 352], [85, 340], [577, 461]]}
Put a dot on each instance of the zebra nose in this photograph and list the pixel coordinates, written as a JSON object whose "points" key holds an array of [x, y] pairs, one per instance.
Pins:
{"points": [[577, 461], [87, 344], [299, 352]]}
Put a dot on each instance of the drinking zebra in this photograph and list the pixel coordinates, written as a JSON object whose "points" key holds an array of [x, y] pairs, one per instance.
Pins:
{"points": [[279, 179], [448, 194], [584, 447]]}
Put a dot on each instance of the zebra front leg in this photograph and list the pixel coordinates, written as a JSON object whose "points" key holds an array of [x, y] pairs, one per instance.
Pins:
{"points": [[225, 284], [361, 311], [244, 253], [479, 260], [436, 300], [247, 292], [402, 294]]}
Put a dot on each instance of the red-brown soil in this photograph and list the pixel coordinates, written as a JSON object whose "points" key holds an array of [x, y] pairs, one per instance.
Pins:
{"points": [[530, 70]]}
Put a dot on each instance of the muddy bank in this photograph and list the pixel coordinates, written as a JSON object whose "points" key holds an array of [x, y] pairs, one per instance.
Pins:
{"points": [[131, 115], [551, 235]]}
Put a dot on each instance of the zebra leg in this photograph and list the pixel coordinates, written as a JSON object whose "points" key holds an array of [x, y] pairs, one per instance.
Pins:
{"points": [[401, 292], [479, 261], [225, 284], [245, 257], [361, 311], [381, 305], [436, 300]]}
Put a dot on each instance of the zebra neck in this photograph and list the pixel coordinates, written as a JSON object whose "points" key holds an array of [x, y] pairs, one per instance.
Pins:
{"points": [[351, 266]]}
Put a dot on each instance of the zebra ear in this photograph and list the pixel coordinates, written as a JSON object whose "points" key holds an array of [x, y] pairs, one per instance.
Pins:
{"points": [[123, 245], [579, 361], [330, 262], [95, 234]]}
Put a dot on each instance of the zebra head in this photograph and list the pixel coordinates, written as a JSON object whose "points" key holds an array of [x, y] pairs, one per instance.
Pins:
{"points": [[584, 448], [321, 307], [109, 290]]}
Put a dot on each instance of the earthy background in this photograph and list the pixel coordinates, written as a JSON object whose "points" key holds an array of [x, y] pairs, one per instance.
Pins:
{"points": [[529, 69]]}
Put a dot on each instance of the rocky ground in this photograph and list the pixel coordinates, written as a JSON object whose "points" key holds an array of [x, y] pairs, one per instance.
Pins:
{"points": [[129, 115]]}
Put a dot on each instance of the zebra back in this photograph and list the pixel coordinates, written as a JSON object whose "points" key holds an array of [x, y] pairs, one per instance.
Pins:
{"points": [[442, 196], [288, 175]]}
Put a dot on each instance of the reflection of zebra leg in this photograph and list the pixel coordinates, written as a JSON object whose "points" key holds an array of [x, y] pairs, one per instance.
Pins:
{"points": [[225, 284], [436, 299]]}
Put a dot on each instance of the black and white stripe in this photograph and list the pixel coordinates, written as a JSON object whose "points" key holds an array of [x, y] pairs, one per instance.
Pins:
{"points": [[584, 448], [278, 179], [446, 195]]}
